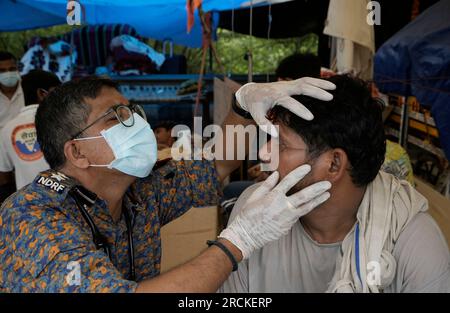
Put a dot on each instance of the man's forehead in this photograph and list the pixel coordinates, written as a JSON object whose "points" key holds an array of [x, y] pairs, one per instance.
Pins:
{"points": [[288, 134], [107, 98], [284, 131], [8, 63]]}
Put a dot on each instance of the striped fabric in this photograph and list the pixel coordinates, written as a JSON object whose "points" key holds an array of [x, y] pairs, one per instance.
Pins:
{"points": [[92, 42]]}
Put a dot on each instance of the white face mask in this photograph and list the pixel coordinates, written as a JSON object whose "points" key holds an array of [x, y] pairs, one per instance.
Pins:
{"points": [[134, 147], [9, 79]]}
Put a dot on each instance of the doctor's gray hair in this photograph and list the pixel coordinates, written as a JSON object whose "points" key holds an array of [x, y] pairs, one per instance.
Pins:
{"points": [[63, 113]]}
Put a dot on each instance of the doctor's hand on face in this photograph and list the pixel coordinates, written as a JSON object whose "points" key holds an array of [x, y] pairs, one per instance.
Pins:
{"points": [[270, 213], [258, 99]]}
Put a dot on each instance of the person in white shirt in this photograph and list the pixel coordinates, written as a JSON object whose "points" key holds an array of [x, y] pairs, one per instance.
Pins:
{"points": [[11, 94], [372, 235], [19, 149], [11, 101]]}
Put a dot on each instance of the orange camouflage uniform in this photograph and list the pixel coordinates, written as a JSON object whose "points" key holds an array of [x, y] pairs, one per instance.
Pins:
{"points": [[47, 246]]}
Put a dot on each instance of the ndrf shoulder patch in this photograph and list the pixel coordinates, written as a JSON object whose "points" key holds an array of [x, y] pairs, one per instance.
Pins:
{"points": [[52, 184]]}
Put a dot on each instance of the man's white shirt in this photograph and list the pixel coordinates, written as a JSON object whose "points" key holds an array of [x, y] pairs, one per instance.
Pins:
{"points": [[9, 108], [19, 149], [297, 263]]}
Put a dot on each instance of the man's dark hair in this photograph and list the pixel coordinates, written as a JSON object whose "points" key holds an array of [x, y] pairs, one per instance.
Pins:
{"points": [[37, 79], [351, 121], [63, 113], [5, 56], [167, 125], [299, 65]]}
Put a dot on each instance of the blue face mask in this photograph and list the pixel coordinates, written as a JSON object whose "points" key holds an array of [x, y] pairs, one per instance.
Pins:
{"points": [[134, 148]]}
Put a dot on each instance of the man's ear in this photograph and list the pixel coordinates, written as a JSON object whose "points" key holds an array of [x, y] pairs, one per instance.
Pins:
{"points": [[40, 95], [74, 155], [338, 164]]}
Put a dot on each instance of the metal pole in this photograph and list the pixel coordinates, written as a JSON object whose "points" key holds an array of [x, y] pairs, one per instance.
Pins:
{"points": [[404, 122], [250, 50], [71, 54]]}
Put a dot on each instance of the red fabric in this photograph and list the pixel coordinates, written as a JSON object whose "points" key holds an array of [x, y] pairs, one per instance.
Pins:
{"points": [[191, 6]]}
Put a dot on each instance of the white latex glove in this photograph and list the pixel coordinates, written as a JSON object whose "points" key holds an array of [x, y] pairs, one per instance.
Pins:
{"points": [[269, 214], [258, 99]]}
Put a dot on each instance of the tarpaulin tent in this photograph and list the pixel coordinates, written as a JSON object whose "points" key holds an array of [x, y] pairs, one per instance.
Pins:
{"points": [[156, 19], [416, 62]]}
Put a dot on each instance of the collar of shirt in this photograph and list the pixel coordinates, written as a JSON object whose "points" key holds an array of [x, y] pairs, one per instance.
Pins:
{"points": [[31, 107], [18, 93], [61, 186]]}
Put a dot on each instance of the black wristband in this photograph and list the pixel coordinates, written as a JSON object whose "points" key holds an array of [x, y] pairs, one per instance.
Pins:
{"points": [[227, 252], [239, 111]]}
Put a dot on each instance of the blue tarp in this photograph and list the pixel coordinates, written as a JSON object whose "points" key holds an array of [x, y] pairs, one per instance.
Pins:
{"points": [[416, 62], [156, 19]]}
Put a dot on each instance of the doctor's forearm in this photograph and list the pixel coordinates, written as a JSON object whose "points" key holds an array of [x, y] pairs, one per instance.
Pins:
{"points": [[205, 273]]}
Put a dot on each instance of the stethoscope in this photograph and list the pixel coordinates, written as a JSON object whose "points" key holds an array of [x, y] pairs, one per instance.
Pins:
{"points": [[100, 240]]}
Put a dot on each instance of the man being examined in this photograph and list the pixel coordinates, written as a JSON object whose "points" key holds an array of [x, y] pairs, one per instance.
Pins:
{"points": [[372, 235]]}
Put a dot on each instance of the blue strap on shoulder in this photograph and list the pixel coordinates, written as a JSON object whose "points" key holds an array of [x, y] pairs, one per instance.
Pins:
{"points": [[358, 270]]}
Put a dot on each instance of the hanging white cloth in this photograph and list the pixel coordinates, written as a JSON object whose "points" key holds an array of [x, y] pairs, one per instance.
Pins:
{"points": [[353, 39]]}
